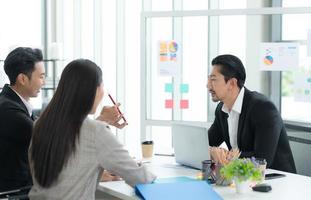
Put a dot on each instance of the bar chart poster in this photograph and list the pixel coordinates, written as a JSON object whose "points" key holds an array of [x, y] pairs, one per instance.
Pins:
{"points": [[302, 87], [279, 56], [169, 58]]}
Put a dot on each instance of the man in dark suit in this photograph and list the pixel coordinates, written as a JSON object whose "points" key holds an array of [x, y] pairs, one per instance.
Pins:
{"points": [[244, 119], [24, 67]]}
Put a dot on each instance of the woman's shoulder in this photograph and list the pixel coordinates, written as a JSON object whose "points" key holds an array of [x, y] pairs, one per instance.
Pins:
{"points": [[102, 136], [95, 126]]}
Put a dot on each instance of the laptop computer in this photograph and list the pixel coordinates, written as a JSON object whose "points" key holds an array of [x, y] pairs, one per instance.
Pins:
{"points": [[190, 144]]}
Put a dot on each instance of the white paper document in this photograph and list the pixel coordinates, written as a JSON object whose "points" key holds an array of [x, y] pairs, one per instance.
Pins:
{"points": [[279, 56], [169, 58]]}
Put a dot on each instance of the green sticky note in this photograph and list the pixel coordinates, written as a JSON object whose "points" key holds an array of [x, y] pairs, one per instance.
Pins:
{"points": [[184, 88], [169, 87]]}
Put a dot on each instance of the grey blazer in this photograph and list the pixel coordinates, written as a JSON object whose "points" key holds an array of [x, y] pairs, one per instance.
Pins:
{"points": [[98, 149]]}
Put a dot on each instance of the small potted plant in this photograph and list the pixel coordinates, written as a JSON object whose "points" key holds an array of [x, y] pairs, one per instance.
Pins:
{"points": [[242, 171]]}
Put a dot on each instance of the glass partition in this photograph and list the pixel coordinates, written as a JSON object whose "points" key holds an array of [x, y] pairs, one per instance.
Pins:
{"points": [[201, 39]]}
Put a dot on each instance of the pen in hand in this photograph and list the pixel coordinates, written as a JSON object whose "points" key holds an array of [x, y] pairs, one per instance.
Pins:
{"points": [[114, 103]]}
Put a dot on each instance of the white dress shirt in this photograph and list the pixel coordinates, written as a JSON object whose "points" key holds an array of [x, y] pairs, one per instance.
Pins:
{"points": [[233, 119], [26, 103]]}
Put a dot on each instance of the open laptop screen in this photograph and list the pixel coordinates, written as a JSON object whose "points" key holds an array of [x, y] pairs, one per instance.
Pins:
{"points": [[190, 145]]}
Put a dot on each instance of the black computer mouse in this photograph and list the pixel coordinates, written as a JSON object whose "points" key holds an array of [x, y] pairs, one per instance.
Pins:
{"points": [[263, 187]]}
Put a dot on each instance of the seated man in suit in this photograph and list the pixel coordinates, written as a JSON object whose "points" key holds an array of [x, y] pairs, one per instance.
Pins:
{"points": [[245, 119], [25, 69]]}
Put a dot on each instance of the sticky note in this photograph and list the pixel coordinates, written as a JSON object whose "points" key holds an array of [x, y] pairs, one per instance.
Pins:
{"points": [[184, 104], [169, 87], [168, 103], [184, 88]]}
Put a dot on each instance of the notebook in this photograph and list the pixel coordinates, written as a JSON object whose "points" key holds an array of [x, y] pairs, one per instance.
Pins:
{"points": [[184, 190], [190, 144]]}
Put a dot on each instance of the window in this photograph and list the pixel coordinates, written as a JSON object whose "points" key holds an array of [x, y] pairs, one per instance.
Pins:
{"points": [[228, 4], [87, 29], [162, 138], [194, 4], [131, 84], [160, 5], [195, 64], [293, 107], [156, 96], [20, 26], [200, 43]]}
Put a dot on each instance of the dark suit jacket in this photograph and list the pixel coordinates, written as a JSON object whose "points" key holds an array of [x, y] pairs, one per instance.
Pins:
{"points": [[15, 134], [261, 132]]}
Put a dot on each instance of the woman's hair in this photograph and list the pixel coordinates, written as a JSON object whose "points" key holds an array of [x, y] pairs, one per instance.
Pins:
{"points": [[57, 131]]}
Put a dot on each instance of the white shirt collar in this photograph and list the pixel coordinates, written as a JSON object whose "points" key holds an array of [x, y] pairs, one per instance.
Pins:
{"points": [[237, 106], [26, 103], [233, 118]]}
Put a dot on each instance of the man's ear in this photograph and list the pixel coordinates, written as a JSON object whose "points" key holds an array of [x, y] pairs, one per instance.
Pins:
{"points": [[233, 82], [22, 79]]}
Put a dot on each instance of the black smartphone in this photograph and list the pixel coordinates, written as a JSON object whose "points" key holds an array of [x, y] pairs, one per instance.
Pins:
{"points": [[273, 176]]}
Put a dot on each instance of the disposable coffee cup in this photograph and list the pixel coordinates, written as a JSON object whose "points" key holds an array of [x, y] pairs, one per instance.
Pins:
{"points": [[147, 149]]}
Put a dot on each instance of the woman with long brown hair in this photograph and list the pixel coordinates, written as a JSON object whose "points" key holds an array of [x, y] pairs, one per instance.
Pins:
{"points": [[69, 151]]}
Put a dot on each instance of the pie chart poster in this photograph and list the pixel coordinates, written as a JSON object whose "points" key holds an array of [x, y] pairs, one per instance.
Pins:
{"points": [[279, 56]]}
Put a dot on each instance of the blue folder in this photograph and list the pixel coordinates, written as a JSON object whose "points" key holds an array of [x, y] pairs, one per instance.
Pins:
{"points": [[174, 179], [185, 190]]}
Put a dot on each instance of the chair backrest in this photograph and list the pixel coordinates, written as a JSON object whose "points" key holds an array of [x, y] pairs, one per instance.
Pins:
{"points": [[17, 194]]}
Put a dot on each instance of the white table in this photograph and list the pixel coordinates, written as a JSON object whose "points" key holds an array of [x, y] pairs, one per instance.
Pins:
{"points": [[291, 187]]}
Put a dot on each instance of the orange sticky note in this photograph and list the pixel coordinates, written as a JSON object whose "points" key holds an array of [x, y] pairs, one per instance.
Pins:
{"points": [[168, 103], [184, 104]]}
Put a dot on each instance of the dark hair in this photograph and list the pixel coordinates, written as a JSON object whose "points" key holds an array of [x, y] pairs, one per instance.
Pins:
{"points": [[21, 60], [231, 67], [57, 131]]}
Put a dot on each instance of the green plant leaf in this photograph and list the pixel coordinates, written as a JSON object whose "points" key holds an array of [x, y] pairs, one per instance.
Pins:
{"points": [[241, 169]]}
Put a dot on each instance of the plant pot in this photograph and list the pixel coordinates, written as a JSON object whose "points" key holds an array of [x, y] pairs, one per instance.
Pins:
{"points": [[220, 180], [242, 187]]}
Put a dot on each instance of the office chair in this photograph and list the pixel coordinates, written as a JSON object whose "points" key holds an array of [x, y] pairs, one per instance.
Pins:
{"points": [[17, 194]]}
